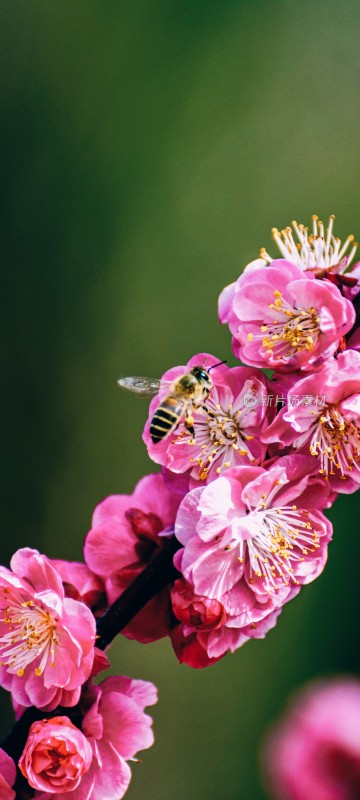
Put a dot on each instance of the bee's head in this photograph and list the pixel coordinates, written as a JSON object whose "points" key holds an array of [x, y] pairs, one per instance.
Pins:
{"points": [[201, 374]]}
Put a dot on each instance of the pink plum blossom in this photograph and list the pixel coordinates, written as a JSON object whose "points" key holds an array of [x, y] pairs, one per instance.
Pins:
{"points": [[226, 435], [7, 776], [285, 319], [322, 417], [126, 533], [47, 640], [314, 751], [56, 756], [251, 539], [116, 728]]}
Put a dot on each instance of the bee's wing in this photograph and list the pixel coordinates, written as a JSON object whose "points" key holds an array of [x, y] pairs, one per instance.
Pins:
{"points": [[145, 387]]}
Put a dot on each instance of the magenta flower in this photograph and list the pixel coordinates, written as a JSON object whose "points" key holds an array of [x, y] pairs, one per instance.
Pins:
{"points": [[115, 728], [56, 756], [228, 435], [251, 539], [322, 417], [126, 533], [284, 319], [7, 776], [47, 640], [314, 752]]}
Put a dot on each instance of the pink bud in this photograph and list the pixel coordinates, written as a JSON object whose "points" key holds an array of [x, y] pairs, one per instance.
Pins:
{"points": [[56, 756], [197, 611]]}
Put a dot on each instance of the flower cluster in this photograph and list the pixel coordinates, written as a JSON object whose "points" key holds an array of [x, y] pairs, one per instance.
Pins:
{"points": [[207, 551], [255, 476], [62, 761], [48, 636]]}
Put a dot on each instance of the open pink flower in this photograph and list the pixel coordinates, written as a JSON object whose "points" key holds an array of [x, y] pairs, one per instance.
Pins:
{"points": [[7, 776], [47, 640], [251, 539], [56, 756], [126, 533], [228, 435], [322, 417], [314, 751], [285, 319], [115, 728]]}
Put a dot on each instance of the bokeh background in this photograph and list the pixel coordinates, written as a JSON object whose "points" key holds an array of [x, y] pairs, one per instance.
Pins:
{"points": [[147, 150]]}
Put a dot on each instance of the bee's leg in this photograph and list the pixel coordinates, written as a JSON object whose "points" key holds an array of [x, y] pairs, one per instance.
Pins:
{"points": [[189, 424], [208, 411]]}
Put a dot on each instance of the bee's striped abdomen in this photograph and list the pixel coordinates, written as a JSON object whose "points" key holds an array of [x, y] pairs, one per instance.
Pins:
{"points": [[166, 417]]}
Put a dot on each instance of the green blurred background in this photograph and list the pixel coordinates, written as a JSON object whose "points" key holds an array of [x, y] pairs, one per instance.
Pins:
{"points": [[147, 149]]}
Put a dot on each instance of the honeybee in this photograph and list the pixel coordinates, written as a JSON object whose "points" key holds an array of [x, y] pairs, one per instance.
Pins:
{"points": [[186, 393]]}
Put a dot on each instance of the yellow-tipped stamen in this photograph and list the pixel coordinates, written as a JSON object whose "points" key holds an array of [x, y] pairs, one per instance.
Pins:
{"points": [[31, 634], [335, 441], [221, 436], [278, 539], [320, 250]]}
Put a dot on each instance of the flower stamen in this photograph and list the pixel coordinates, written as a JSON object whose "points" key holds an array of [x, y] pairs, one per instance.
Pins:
{"points": [[31, 634], [319, 250], [281, 538], [335, 441], [297, 332], [221, 437]]}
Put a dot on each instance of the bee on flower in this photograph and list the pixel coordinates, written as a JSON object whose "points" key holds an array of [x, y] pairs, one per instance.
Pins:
{"points": [[225, 434]]}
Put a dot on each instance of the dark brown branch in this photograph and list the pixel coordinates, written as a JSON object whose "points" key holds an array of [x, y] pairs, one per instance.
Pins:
{"points": [[158, 574]]}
